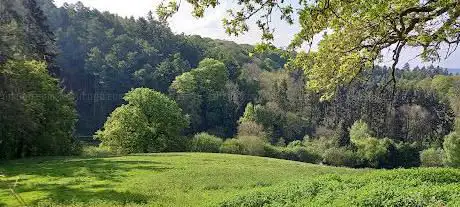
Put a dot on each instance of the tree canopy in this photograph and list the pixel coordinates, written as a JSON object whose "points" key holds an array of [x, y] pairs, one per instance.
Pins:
{"points": [[150, 122]]}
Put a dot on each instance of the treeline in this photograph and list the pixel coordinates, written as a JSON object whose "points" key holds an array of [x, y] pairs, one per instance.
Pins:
{"points": [[188, 86], [103, 56], [37, 117]]}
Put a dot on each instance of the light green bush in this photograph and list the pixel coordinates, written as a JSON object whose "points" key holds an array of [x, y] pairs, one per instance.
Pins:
{"points": [[295, 143], [204, 142], [339, 156], [150, 122], [273, 151], [432, 157], [232, 146], [252, 145], [359, 131], [374, 151], [299, 153], [452, 149], [320, 145]]}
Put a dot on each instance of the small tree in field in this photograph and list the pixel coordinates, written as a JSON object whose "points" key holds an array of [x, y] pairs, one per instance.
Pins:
{"points": [[371, 149], [150, 122], [359, 131]]}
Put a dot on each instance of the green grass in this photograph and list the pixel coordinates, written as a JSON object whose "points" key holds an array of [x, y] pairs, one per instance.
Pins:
{"points": [[199, 179]]}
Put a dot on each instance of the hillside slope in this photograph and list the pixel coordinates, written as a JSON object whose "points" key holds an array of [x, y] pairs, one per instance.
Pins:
{"points": [[197, 179]]}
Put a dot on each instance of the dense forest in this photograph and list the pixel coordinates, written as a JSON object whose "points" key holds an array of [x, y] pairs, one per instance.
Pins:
{"points": [[222, 89]]}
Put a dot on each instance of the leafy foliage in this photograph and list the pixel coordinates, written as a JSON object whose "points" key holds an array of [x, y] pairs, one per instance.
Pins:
{"points": [[452, 149], [37, 118], [204, 95], [25, 32], [232, 146], [204, 142], [432, 157], [341, 157], [252, 145], [150, 122]]}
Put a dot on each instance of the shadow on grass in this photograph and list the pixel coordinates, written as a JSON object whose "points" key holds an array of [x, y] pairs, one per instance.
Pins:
{"points": [[101, 169], [109, 171], [67, 195]]}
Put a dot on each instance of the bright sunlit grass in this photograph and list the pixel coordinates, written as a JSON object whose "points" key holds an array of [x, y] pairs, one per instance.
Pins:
{"points": [[169, 179], [173, 179]]}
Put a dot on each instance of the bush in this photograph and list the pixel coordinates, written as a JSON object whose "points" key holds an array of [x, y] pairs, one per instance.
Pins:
{"points": [[452, 149], [125, 131], [299, 153], [319, 146], [273, 151], [304, 155], [432, 157], [359, 131], [339, 156], [252, 145], [296, 143], [374, 151], [281, 142], [232, 146], [150, 122], [93, 151], [407, 155], [204, 142]]}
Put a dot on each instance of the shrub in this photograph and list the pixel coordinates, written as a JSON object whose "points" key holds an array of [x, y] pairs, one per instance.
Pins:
{"points": [[319, 146], [204, 142], [304, 155], [281, 142], [252, 145], [232, 146], [407, 155], [359, 131], [150, 122], [339, 156], [374, 151], [432, 157], [296, 143], [273, 151], [452, 149], [299, 153]]}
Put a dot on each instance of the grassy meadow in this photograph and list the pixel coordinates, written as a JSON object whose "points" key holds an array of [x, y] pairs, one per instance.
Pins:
{"points": [[200, 179]]}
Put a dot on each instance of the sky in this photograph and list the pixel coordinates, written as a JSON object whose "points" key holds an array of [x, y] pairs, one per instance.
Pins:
{"points": [[211, 26]]}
